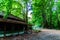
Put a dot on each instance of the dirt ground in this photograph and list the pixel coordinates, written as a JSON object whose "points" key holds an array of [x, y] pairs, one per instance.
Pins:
{"points": [[45, 34]]}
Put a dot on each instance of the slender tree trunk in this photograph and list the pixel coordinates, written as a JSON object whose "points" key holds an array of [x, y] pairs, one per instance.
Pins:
{"points": [[44, 17], [58, 23], [50, 18], [51, 5], [26, 18], [44, 14]]}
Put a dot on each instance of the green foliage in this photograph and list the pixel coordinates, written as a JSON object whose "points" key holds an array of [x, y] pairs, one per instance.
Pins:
{"points": [[46, 13], [16, 9], [11, 7], [37, 18]]}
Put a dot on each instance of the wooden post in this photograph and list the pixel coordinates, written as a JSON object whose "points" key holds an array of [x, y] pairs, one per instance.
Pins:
{"points": [[18, 30], [4, 31], [12, 29]]}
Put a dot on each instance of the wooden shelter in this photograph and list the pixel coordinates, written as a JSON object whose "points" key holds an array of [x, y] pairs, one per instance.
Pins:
{"points": [[12, 24]]}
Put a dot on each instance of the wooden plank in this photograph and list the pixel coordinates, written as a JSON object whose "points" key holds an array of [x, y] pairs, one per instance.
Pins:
{"points": [[13, 18], [12, 21]]}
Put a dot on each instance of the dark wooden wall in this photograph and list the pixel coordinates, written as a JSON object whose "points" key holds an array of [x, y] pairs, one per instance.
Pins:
{"points": [[12, 27]]}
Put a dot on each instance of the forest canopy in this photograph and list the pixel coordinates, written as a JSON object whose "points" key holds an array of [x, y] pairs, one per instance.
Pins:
{"points": [[11, 7], [46, 13]]}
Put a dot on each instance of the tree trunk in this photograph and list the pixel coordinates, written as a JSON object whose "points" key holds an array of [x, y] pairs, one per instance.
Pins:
{"points": [[26, 18]]}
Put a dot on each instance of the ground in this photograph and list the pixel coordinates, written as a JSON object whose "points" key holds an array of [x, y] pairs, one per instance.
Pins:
{"points": [[45, 34]]}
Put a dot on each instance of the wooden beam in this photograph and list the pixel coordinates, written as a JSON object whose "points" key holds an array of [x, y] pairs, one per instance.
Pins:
{"points": [[12, 21]]}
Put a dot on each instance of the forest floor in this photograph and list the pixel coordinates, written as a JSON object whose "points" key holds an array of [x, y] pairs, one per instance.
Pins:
{"points": [[45, 34]]}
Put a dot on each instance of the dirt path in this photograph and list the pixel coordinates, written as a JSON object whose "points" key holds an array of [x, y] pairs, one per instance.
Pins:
{"points": [[46, 34]]}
